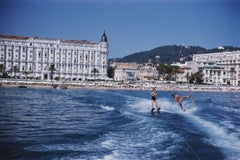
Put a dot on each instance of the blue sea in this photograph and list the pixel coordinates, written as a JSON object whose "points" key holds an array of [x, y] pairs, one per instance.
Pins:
{"points": [[117, 125]]}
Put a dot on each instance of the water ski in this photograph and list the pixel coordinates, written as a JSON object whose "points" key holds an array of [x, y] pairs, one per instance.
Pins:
{"points": [[158, 110]]}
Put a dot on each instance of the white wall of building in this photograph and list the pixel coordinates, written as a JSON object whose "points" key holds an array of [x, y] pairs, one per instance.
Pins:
{"points": [[125, 71], [73, 60], [230, 71]]}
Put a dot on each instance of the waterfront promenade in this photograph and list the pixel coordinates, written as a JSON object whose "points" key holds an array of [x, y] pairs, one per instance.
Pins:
{"points": [[115, 85]]}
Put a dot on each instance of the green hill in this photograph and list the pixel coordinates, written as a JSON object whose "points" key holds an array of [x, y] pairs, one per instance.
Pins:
{"points": [[171, 53]]}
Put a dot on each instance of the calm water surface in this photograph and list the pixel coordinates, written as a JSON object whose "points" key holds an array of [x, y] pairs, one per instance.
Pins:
{"points": [[112, 124]]}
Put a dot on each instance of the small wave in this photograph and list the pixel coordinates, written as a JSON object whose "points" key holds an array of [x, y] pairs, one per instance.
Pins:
{"points": [[53, 147], [143, 137], [107, 108], [129, 147], [108, 144], [231, 109], [218, 136]]}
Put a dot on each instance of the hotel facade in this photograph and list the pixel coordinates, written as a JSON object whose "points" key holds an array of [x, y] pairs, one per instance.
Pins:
{"points": [[47, 59], [219, 68]]}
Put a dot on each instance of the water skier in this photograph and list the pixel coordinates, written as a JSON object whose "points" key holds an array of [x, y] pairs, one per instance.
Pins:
{"points": [[154, 100], [179, 99]]}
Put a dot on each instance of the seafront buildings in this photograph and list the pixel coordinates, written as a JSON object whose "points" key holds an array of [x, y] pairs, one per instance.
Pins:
{"points": [[125, 71], [44, 59], [219, 68], [147, 72], [134, 71]]}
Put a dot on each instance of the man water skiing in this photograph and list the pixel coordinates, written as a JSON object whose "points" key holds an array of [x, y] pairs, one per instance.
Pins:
{"points": [[179, 99], [154, 100]]}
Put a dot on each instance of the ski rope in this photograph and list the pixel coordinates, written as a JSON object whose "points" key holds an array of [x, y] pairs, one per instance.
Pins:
{"points": [[191, 95], [188, 145]]}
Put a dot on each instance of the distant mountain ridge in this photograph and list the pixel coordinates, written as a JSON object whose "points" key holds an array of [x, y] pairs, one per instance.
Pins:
{"points": [[171, 53]]}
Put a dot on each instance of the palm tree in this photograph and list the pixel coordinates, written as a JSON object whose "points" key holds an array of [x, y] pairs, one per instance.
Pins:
{"points": [[2, 68], [174, 70], [196, 78], [26, 74], [232, 72], [162, 69], [187, 77], [110, 72], [52, 69], [95, 71], [165, 70], [15, 70]]}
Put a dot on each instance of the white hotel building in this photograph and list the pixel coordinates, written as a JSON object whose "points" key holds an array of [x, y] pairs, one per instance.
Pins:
{"points": [[219, 68], [72, 59]]}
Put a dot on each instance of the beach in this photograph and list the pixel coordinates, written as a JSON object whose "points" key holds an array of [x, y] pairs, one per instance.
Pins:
{"points": [[116, 85]]}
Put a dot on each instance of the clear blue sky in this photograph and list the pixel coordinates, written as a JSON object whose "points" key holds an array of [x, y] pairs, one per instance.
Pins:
{"points": [[131, 25]]}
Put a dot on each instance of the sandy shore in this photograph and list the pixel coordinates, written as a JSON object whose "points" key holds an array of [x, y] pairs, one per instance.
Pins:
{"points": [[115, 85]]}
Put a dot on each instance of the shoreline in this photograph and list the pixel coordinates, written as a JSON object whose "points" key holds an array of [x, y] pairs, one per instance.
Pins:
{"points": [[115, 86]]}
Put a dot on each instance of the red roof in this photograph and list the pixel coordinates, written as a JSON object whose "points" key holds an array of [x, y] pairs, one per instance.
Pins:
{"points": [[14, 37], [62, 41]]}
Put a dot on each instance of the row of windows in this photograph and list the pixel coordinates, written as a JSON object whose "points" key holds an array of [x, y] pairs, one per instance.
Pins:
{"points": [[218, 57], [48, 50], [9, 55], [58, 67], [61, 62], [40, 54], [215, 73], [45, 44], [224, 80]]}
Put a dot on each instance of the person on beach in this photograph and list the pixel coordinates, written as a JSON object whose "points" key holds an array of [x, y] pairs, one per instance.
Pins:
{"points": [[179, 99], [154, 100]]}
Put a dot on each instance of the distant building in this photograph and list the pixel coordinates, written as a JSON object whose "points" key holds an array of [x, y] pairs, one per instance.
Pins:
{"points": [[219, 68], [134, 71], [213, 74], [147, 71], [186, 70], [125, 71], [32, 57]]}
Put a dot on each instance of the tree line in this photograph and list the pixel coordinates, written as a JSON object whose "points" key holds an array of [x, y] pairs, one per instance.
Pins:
{"points": [[169, 73]]}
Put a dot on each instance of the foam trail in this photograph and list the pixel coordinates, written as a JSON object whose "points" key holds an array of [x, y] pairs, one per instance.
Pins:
{"points": [[141, 105], [107, 108], [218, 136], [129, 147]]}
